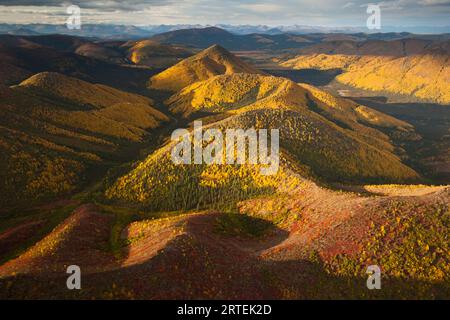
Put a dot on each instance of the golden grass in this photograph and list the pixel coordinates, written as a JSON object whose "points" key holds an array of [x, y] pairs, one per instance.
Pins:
{"points": [[425, 76]]}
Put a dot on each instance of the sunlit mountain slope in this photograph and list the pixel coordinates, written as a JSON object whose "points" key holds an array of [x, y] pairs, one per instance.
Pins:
{"points": [[321, 137], [54, 127], [410, 67], [208, 63]]}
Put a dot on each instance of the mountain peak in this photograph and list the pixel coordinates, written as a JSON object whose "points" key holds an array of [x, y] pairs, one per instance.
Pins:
{"points": [[47, 79], [79, 91], [208, 63], [199, 37], [216, 49]]}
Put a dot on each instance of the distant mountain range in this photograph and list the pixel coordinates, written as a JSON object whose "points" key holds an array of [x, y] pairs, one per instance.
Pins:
{"points": [[366, 62], [206, 37], [109, 31], [105, 31]]}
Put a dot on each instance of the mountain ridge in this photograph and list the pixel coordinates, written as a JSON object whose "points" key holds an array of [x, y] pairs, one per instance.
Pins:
{"points": [[52, 135], [422, 71], [212, 61]]}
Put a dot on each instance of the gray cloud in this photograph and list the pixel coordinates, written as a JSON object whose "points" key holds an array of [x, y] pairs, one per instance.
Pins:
{"points": [[107, 5], [315, 12], [435, 2]]}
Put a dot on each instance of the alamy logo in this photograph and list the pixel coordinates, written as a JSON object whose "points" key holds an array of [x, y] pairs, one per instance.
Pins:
{"points": [[74, 21], [374, 280], [374, 20], [211, 146], [74, 280]]}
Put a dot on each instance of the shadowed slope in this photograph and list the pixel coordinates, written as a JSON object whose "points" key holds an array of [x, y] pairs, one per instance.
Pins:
{"points": [[81, 239], [313, 243], [55, 127], [236, 93], [153, 54], [94, 95], [22, 58], [348, 232], [100, 52], [408, 67], [320, 138], [393, 48]]}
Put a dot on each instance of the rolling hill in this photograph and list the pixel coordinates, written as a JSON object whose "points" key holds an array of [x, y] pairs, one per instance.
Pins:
{"points": [[87, 176], [313, 243], [96, 96], [211, 62], [235, 93], [59, 42], [201, 38], [206, 37], [321, 138], [228, 92], [55, 127], [417, 68], [100, 51], [153, 54], [390, 48], [20, 58], [139, 52]]}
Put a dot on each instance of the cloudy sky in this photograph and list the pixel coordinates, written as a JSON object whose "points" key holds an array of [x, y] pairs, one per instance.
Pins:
{"points": [[269, 12]]}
